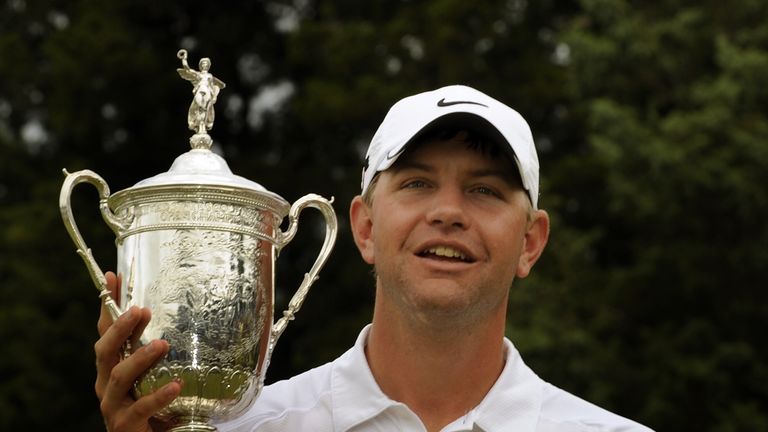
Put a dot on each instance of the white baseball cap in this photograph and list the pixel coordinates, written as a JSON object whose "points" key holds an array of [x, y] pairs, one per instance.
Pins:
{"points": [[455, 105]]}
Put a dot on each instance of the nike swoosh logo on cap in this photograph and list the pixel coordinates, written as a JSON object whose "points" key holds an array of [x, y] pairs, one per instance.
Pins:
{"points": [[443, 103]]}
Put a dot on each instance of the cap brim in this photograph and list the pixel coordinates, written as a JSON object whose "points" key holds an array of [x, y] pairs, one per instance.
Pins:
{"points": [[468, 121], [463, 121]]}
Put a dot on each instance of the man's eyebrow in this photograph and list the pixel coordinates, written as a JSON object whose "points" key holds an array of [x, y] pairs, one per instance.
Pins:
{"points": [[409, 164], [504, 174], [508, 176]]}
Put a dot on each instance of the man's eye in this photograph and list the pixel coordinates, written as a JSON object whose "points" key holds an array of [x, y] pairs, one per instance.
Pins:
{"points": [[415, 184], [485, 190]]}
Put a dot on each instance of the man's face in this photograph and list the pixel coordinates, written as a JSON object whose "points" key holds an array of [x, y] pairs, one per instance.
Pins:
{"points": [[448, 231]]}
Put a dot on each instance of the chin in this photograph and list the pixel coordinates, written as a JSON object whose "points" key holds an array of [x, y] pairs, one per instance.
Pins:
{"points": [[442, 308]]}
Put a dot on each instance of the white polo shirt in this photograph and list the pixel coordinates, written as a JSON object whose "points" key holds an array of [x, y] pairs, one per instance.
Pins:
{"points": [[342, 396]]}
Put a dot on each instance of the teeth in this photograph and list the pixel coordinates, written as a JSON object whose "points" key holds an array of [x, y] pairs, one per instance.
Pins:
{"points": [[447, 252]]}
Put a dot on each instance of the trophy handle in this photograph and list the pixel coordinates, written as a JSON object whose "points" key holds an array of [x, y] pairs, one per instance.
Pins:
{"points": [[283, 238], [117, 225]]}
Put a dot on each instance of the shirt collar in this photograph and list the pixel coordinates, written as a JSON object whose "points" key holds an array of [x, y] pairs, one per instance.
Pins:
{"points": [[513, 403], [356, 395]]}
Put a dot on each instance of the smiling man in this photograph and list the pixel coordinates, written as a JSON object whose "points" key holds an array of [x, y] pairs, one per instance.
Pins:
{"points": [[448, 217]]}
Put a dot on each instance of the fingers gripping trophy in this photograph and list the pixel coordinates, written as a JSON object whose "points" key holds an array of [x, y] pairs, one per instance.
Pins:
{"points": [[197, 246]]}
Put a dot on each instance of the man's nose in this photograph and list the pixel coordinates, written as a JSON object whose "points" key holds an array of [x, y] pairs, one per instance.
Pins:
{"points": [[447, 209]]}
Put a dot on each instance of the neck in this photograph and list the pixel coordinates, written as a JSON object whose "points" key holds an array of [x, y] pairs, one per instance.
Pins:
{"points": [[410, 362]]}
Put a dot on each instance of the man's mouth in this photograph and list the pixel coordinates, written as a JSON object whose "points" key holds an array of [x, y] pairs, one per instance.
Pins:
{"points": [[446, 253]]}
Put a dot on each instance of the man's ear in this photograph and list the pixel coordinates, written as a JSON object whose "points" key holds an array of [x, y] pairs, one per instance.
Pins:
{"points": [[536, 237], [362, 228]]}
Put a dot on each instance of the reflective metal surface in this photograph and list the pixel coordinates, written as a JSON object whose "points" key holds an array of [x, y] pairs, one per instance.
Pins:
{"points": [[197, 245]]}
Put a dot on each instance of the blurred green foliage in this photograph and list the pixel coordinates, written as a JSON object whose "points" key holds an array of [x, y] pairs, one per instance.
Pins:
{"points": [[650, 119]]}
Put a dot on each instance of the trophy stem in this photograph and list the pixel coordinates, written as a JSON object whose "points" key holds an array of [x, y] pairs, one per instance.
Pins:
{"points": [[193, 424]]}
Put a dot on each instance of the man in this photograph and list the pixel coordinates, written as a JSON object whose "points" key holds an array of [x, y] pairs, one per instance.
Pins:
{"points": [[448, 218]]}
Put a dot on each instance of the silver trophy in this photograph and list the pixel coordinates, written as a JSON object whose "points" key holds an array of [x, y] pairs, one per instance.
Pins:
{"points": [[197, 245]]}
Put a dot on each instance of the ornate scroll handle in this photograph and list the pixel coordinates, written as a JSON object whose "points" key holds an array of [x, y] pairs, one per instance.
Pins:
{"points": [[283, 238], [116, 224]]}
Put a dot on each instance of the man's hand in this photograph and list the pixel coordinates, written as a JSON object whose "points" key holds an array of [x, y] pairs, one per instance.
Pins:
{"points": [[115, 378]]}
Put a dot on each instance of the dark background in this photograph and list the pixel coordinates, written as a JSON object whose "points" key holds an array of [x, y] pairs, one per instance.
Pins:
{"points": [[649, 117]]}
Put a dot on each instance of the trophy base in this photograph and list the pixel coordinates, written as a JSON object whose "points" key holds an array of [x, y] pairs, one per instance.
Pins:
{"points": [[193, 426]]}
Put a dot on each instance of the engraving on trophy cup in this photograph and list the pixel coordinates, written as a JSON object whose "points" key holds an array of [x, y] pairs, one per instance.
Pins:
{"points": [[198, 245], [204, 288]]}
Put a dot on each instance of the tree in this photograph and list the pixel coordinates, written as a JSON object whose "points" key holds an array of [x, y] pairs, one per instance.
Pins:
{"points": [[656, 203]]}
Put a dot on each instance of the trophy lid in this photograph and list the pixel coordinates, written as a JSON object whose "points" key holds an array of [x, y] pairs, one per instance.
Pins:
{"points": [[200, 167]]}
